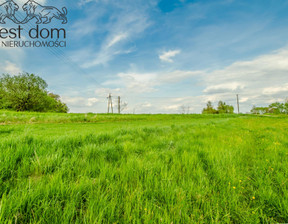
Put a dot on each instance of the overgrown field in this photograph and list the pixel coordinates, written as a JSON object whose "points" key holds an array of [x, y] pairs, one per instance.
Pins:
{"points": [[143, 168]]}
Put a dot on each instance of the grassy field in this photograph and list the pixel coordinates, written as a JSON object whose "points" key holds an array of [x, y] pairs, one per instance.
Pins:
{"points": [[88, 168]]}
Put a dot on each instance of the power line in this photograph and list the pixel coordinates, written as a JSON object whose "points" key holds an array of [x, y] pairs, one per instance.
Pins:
{"points": [[119, 104], [238, 104], [110, 104]]}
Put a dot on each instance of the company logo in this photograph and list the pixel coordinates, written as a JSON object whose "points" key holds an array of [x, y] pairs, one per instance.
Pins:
{"points": [[7, 10], [34, 12]]}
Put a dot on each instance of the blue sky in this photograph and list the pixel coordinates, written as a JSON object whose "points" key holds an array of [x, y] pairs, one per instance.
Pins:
{"points": [[162, 55]]}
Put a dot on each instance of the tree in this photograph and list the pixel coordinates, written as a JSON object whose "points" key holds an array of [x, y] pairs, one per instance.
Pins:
{"points": [[259, 110], [222, 108], [273, 108], [27, 92], [54, 104], [2, 100], [286, 106], [184, 109], [209, 109], [276, 108]]}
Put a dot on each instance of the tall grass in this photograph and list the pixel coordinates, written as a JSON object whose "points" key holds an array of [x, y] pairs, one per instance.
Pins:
{"points": [[11, 117], [194, 169]]}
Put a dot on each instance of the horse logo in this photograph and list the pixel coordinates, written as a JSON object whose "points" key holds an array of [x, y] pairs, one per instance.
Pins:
{"points": [[35, 10], [7, 10]]}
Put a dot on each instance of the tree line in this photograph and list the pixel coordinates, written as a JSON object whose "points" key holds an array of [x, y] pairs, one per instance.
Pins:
{"points": [[222, 108], [28, 92], [273, 108]]}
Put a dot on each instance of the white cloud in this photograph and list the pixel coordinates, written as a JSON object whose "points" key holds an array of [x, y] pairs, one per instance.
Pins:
{"points": [[104, 92], [92, 101], [117, 38], [178, 75], [84, 27], [244, 99], [120, 30], [14, 54], [83, 2], [22, 2], [80, 101], [135, 82], [225, 87], [10, 68], [168, 55], [259, 81], [282, 89]]}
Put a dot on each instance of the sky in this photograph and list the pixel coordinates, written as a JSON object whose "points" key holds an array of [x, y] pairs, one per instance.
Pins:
{"points": [[161, 56]]}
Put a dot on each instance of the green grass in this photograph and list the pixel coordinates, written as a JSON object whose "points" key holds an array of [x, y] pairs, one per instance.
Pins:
{"points": [[77, 168]]}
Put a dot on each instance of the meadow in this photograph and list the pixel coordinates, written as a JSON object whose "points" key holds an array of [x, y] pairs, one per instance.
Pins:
{"points": [[99, 168]]}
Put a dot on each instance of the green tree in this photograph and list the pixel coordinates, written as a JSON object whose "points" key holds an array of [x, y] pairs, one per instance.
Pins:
{"points": [[27, 92], [273, 108], [54, 104], [276, 108], [2, 100], [259, 110], [286, 106], [209, 109], [223, 108]]}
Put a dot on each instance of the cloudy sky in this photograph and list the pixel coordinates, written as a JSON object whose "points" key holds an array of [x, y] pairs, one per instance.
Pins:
{"points": [[161, 55]]}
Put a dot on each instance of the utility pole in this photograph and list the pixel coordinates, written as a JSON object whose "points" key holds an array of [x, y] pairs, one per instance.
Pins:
{"points": [[238, 103], [119, 104], [110, 104]]}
